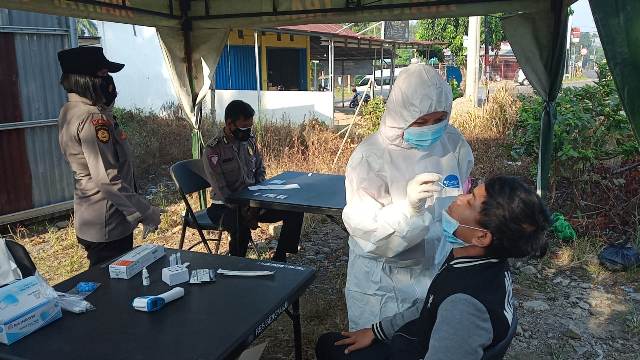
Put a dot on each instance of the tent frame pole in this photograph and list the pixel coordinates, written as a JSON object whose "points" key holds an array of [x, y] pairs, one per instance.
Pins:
{"points": [[196, 136]]}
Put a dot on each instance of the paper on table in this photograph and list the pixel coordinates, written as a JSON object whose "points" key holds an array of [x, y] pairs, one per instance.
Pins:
{"points": [[274, 187], [245, 273], [279, 182], [254, 353]]}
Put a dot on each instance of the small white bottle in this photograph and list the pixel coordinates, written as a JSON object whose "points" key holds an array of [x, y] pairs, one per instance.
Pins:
{"points": [[178, 259], [145, 277]]}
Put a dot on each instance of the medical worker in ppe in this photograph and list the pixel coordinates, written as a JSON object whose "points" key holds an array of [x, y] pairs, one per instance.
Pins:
{"points": [[398, 181]]}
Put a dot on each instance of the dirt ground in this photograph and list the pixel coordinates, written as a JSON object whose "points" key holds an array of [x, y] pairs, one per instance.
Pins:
{"points": [[568, 306]]}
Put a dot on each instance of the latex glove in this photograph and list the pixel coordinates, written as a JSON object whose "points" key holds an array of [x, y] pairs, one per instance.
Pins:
{"points": [[422, 187], [357, 340], [150, 221]]}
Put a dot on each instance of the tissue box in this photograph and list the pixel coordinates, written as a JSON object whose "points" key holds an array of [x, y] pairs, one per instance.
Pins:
{"points": [[24, 309], [175, 275], [132, 262]]}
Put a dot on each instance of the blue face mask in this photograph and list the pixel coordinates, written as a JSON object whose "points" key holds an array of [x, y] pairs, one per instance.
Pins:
{"points": [[423, 137], [449, 227]]}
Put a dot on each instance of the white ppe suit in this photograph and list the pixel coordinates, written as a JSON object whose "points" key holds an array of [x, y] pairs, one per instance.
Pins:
{"points": [[391, 248]]}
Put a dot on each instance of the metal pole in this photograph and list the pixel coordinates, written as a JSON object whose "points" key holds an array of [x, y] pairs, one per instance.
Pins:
{"points": [[373, 83], [342, 78], [382, 70], [486, 49], [331, 64], [196, 136], [315, 75], [257, 56], [393, 69]]}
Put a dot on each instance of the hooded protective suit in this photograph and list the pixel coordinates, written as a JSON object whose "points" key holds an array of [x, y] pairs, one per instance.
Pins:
{"points": [[391, 248]]}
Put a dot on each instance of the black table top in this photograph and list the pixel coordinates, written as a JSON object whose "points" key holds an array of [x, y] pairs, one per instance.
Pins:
{"points": [[212, 321], [318, 194]]}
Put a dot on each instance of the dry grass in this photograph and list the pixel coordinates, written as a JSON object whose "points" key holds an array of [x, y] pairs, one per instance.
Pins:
{"points": [[486, 129], [310, 146], [491, 121]]}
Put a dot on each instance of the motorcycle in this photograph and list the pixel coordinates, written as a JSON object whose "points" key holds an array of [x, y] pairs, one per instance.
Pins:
{"points": [[355, 100]]}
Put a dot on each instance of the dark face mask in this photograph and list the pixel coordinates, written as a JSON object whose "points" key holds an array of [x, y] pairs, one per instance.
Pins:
{"points": [[108, 89], [242, 134]]}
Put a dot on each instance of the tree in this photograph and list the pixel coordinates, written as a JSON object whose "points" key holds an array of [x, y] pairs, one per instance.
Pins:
{"points": [[453, 30], [86, 27]]}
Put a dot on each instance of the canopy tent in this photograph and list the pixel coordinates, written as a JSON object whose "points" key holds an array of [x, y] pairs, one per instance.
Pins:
{"points": [[193, 33]]}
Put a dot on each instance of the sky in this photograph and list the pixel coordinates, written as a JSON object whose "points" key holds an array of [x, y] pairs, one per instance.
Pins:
{"points": [[582, 17]]}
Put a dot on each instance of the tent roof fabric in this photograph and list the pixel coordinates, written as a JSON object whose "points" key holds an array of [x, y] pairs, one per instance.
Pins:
{"points": [[219, 14]]}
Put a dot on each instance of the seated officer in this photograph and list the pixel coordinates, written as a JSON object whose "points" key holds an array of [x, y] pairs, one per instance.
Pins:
{"points": [[469, 304], [232, 162]]}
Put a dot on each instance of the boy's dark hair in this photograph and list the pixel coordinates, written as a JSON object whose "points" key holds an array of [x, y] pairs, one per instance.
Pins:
{"points": [[238, 109], [516, 217], [86, 86]]}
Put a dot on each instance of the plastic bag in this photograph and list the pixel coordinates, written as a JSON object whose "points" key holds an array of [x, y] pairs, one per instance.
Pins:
{"points": [[619, 257], [74, 303], [84, 288]]}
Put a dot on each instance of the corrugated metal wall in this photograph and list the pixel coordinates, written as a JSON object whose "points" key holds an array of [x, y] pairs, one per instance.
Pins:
{"points": [[33, 158], [15, 175], [236, 68]]}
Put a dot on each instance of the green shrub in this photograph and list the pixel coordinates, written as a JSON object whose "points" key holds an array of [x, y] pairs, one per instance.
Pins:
{"points": [[591, 128], [371, 114], [455, 89]]}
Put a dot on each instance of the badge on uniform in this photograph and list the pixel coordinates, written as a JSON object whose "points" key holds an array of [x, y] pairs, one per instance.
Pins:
{"points": [[250, 150], [213, 159], [102, 133], [451, 181]]}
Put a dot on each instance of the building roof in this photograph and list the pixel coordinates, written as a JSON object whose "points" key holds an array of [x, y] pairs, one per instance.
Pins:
{"points": [[351, 38], [322, 28]]}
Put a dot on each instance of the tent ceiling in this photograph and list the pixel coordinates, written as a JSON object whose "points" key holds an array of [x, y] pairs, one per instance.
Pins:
{"points": [[228, 13]]}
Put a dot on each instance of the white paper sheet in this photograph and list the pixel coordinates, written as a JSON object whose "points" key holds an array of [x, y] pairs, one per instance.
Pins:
{"points": [[253, 353], [277, 182], [274, 187]]}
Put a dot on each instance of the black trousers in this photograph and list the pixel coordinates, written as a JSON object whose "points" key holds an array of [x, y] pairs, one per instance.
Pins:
{"points": [[99, 252], [289, 235], [326, 350]]}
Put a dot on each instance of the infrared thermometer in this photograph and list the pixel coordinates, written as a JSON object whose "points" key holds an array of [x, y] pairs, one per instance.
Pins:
{"points": [[156, 302]]}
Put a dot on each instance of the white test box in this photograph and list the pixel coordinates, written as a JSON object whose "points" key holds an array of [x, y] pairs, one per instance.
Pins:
{"points": [[132, 262], [174, 275], [25, 309]]}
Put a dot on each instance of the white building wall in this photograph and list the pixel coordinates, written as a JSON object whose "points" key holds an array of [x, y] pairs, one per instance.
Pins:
{"points": [[144, 82], [294, 106]]}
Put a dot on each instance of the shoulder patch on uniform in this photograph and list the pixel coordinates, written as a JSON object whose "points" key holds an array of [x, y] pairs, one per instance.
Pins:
{"points": [[102, 133], [213, 159]]}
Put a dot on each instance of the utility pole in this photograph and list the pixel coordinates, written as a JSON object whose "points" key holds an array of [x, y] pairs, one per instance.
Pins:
{"points": [[487, 40], [473, 60]]}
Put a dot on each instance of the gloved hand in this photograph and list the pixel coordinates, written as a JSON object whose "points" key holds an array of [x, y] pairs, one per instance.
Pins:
{"points": [[422, 187], [150, 221]]}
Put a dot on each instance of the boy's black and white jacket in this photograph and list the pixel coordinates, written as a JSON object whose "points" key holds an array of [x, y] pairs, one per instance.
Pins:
{"points": [[468, 308]]}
